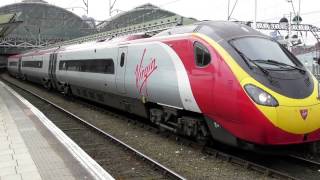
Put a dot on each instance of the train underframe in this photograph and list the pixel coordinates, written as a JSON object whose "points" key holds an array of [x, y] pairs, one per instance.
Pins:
{"points": [[179, 121], [185, 123]]}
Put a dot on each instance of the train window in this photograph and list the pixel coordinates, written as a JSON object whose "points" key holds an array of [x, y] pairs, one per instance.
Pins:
{"points": [[262, 50], [63, 66], [103, 66], [33, 64], [201, 55], [13, 63], [109, 67], [73, 65], [40, 64], [122, 59]]}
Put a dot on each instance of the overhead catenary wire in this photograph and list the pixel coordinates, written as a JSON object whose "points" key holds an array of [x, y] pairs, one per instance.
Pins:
{"points": [[171, 2], [234, 6]]}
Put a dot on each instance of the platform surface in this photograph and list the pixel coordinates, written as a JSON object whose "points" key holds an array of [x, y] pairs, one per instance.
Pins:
{"points": [[30, 148]]}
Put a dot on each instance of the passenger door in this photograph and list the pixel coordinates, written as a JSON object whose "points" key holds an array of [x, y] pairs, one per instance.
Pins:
{"points": [[121, 69], [202, 75], [19, 67], [52, 70]]}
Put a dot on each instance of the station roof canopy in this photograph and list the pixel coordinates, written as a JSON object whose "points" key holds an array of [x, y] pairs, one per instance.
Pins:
{"points": [[36, 23], [140, 14], [46, 20], [8, 23]]}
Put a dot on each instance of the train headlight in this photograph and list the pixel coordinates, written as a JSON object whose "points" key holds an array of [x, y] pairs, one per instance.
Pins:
{"points": [[261, 97]]}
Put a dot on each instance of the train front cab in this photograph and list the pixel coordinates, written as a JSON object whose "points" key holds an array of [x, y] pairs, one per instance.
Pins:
{"points": [[238, 118]]}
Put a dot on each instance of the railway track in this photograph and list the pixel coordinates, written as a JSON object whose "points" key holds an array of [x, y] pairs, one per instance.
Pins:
{"points": [[292, 163], [314, 165], [282, 167], [305, 160], [120, 159], [295, 166], [248, 164]]}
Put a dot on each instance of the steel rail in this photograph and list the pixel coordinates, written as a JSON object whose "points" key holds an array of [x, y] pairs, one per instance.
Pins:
{"points": [[248, 164], [305, 160]]}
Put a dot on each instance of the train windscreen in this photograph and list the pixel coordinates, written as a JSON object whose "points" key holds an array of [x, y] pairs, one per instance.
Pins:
{"points": [[266, 52]]}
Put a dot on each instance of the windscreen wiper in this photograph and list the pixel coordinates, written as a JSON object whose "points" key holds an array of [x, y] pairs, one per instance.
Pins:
{"points": [[247, 60], [270, 61]]}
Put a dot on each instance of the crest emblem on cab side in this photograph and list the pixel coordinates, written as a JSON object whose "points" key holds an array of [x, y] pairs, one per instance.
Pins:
{"points": [[304, 113]]}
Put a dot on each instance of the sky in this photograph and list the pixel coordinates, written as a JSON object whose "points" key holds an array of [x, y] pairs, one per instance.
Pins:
{"points": [[267, 10]]}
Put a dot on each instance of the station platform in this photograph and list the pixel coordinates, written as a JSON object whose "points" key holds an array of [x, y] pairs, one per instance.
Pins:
{"points": [[33, 148]]}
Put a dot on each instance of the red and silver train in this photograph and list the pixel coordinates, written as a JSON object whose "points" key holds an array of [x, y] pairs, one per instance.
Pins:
{"points": [[212, 79]]}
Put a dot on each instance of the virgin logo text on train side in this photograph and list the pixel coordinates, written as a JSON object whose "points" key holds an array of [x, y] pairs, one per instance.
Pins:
{"points": [[143, 73]]}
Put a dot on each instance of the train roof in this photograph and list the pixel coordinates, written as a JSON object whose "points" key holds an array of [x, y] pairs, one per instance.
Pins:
{"points": [[229, 30], [85, 45], [217, 30]]}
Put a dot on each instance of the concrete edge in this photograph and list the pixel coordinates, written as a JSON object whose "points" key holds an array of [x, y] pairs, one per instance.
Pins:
{"points": [[85, 160]]}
